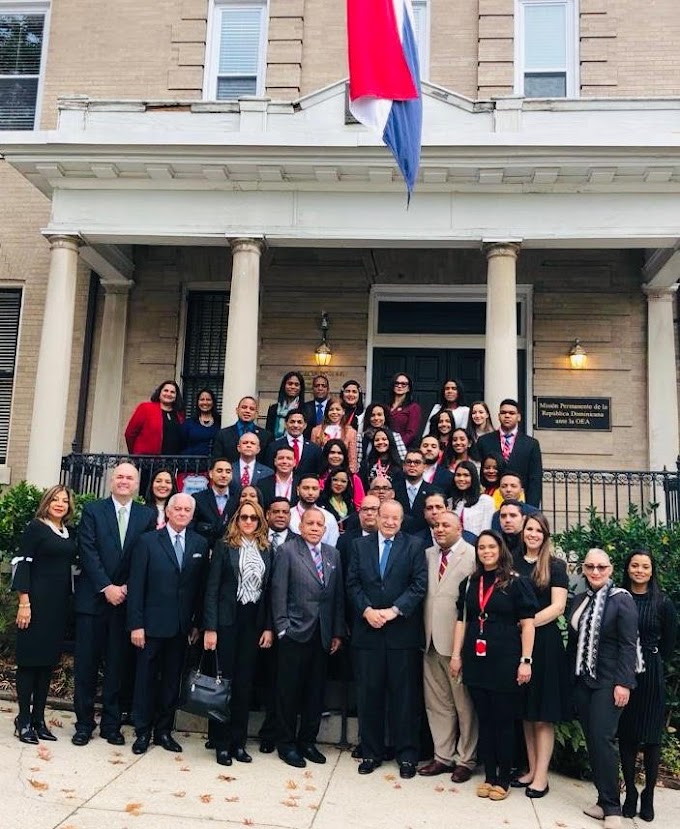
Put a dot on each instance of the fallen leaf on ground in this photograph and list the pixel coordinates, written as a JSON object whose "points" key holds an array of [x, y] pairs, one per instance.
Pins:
{"points": [[117, 753], [559, 823], [289, 802], [291, 784], [226, 777], [133, 808], [439, 788], [179, 794], [248, 821], [205, 798], [453, 789], [314, 806], [397, 786], [185, 768], [34, 768], [233, 799], [67, 791], [390, 777], [38, 784], [309, 788], [55, 723], [308, 774], [117, 761], [179, 758]]}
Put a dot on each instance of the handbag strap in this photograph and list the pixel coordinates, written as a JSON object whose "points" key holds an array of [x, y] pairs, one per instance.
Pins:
{"points": [[218, 672]]}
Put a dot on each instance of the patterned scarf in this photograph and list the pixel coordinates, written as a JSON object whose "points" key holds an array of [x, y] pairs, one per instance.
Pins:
{"points": [[250, 573]]}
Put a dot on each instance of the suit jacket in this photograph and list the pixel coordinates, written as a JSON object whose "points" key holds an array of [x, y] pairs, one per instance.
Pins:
{"points": [[525, 458], [207, 520], [310, 415], [300, 601], [414, 516], [260, 473], [163, 599], [443, 478], [225, 444], [617, 650], [527, 509], [267, 487], [219, 605], [440, 601], [310, 459], [102, 559], [404, 585]]}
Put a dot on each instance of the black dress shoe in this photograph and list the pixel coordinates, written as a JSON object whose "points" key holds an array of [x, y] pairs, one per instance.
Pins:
{"points": [[241, 755], [223, 756], [114, 738], [43, 732], [356, 752], [407, 770], [516, 783], [312, 754], [167, 742], [25, 732], [267, 746], [126, 718], [141, 744], [292, 758], [629, 808], [209, 745], [80, 738], [529, 792], [647, 805], [368, 766]]}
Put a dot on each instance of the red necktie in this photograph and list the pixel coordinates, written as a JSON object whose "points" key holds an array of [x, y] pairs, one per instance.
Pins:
{"points": [[506, 448], [245, 477], [296, 451], [444, 562]]}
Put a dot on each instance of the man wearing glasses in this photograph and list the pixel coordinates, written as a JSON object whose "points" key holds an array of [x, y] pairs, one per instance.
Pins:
{"points": [[411, 491]]}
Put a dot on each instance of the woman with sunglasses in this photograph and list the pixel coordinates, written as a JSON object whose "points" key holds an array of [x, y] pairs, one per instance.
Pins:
{"points": [[405, 413], [603, 629], [237, 620]]}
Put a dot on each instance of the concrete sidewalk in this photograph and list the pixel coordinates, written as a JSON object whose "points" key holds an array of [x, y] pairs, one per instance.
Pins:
{"points": [[58, 785]]}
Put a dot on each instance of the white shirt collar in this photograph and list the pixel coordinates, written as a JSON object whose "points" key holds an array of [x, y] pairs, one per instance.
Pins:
{"points": [[172, 533], [119, 506]]}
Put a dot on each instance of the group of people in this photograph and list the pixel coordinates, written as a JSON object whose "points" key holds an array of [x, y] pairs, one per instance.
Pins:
{"points": [[366, 537]]}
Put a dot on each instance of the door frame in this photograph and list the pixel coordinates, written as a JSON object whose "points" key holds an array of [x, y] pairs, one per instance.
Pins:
{"points": [[447, 293]]}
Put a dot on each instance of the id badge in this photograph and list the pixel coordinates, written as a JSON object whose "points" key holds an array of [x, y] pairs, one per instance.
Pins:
{"points": [[480, 647]]}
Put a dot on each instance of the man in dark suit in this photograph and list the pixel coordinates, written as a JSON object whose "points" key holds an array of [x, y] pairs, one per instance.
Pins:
{"points": [[435, 505], [520, 452], [367, 523], [308, 457], [411, 490], [512, 489], [282, 484], [108, 532], [225, 444], [309, 620], [167, 579], [216, 504], [246, 470], [434, 472], [386, 584], [315, 408]]}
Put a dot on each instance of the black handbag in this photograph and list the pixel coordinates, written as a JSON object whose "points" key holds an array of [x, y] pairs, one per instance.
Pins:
{"points": [[205, 695]]}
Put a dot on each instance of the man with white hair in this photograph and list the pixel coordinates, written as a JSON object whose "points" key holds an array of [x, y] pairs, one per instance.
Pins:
{"points": [[164, 593]]}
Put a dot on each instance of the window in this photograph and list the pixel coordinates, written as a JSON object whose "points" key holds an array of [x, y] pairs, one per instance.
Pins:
{"points": [[546, 34], [204, 344], [22, 47], [10, 310], [237, 46], [421, 17]]}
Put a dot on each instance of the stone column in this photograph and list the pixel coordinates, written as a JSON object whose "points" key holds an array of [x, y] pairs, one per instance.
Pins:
{"points": [[242, 351], [54, 364], [500, 354], [662, 389], [108, 391]]}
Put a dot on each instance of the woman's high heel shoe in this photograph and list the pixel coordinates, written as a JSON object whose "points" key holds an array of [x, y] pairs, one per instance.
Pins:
{"points": [[25, 732], [43, 732]]}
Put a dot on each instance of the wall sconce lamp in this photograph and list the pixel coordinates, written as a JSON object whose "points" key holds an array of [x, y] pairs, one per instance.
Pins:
{"points": [[323, 353], [577, 355]]}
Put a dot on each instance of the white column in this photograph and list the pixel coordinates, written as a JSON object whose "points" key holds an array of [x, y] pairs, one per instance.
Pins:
{"points": [[54, 364], [662, 389], [242, 351], [108, 392], [500, 355]]}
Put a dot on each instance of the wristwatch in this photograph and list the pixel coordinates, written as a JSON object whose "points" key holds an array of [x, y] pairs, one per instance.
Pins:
{"points": [[526, 660]]}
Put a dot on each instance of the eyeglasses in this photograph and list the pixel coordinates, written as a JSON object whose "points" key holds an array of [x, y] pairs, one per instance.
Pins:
{"points": [[413, 460], [368, 509], [401, 382], [592, 567], [243, 517], [380, 488]]}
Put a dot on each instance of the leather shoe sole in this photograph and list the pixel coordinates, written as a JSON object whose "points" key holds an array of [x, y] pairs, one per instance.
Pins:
{"points": [[434, 768], [368, 766], [535, 793], [407, 770], [595, 811], [292, 758]]}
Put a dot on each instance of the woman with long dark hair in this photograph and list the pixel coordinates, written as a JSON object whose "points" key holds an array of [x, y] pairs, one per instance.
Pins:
{"points": [[162, 487], [376, 416], [352, 399], [335, 456], [451, 399], [405, 413], [642, 723], [442, 426], [383, 460], [335, 427], [474, 509], [338, 495], [490, 472], [155, 427], [291, 396], [200, 429], [459, 449]]}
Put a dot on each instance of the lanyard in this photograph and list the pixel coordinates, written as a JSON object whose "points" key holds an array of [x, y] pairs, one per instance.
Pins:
{"points": [[484, 596]]}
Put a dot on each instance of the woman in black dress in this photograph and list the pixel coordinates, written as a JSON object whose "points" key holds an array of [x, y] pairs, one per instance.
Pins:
{"points": [[42, 578], [492, 647], [643, 719], [237, 620], [547, 699]]}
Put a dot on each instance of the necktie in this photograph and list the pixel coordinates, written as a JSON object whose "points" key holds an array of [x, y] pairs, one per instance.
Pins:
{"points": [[276, 540], [319, 413], [318, 562], [122, 524], [245, 477], [179, 550], [412, 492], [444, 562], [387, 546], [507, 446], [296, 450]]}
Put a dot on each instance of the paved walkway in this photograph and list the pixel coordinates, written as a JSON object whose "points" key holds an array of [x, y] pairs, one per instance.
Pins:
{"points": [[103, 787]]}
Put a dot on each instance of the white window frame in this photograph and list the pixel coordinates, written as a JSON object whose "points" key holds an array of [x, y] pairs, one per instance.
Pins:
{"points": [[424, 41], [212, 46], [32, 7], [572, 52]]}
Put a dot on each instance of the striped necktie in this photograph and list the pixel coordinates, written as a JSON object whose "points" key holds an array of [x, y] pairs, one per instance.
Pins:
{"points": [[318, 562]]}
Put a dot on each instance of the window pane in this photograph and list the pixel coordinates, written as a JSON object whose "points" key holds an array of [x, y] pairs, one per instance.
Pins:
{"points": [[240, 41], [205, 344], [228, 89], [545, 40], [545, 85], [20, 43], [17, 103], [10, 308]]}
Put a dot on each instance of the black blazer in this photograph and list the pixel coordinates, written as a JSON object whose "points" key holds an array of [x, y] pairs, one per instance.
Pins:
{"points": [[309, 410], [300, 602], [260, 473], [163, 599], [310, 460], [225, 444], [617, 651], [404, 586], [219, 605], [268, 489], [207, 520], [525, 458], [101, 558], [443, 479], [414, 516]]}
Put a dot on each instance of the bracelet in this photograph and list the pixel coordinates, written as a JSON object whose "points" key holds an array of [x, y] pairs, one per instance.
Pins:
{"points": [[455, 657], [28, 604]]}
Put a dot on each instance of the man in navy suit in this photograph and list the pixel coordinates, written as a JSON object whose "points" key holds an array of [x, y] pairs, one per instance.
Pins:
{"points": [[435, 505], [216, 504], [225, 444], [247, 471], [282, 484], [386, 584], [520, 452], [411, 489], [108, 532], [315, 408], [434, 472], [167, 579], [308, 457]]}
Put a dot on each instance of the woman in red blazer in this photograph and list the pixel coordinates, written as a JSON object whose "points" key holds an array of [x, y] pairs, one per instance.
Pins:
{"points": [[155, 425]]}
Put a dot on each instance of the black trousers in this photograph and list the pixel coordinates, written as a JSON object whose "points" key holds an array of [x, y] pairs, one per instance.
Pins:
{"points": [[33, 685], [300, 687], [100, 638], [389, 682], [237, 654], [496, 712], [157, 684], [268, 664], [599, 718]]}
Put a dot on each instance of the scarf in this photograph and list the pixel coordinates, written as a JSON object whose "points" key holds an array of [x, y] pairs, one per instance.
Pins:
{"points": [[282, 410], [251, 573]]}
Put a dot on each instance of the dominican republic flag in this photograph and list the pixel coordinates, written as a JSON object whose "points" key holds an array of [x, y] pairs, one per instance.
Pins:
{"points": [[384, 77]]}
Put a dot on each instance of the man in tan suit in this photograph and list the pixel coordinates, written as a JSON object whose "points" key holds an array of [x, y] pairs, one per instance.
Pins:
{"points": [[449, 708]]}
